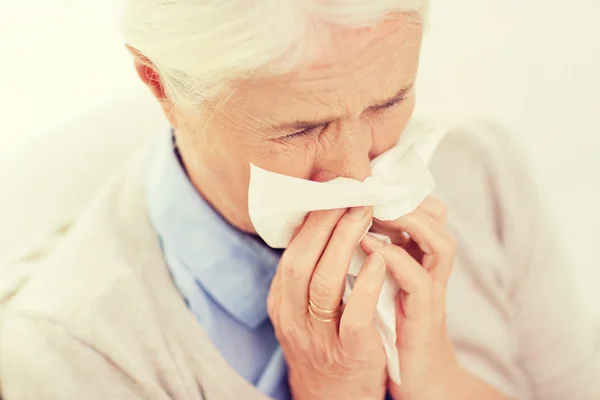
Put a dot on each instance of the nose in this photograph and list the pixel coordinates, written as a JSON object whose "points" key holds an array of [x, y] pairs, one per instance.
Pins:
{"points": [[347, 154]]}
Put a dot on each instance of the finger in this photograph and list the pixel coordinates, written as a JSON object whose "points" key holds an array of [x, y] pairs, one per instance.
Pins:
{"points": [[300, 258], [359, 313], [432, 206], [435, 208], [409, 275], [387, 228], [329, 278], [434, 239]]}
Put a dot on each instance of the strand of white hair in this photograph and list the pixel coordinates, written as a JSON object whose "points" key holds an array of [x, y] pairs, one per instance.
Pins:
{"points": [[198, 46]]}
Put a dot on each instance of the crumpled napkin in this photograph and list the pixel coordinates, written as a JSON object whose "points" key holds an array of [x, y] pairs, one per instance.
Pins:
{"points": [[400, 181]]}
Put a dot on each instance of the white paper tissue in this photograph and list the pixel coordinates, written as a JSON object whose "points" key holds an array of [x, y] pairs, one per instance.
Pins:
{"points": [[400, 181]]}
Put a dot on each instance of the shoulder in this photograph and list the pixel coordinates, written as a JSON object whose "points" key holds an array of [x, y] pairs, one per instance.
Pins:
{"points": [[482, 173], [90, 292], [494, 205], [475, 150], [92, 259]]}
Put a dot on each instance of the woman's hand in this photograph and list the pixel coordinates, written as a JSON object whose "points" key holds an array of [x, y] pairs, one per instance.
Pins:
{"points": [[421, 259], [421, 263], [332, 352]]}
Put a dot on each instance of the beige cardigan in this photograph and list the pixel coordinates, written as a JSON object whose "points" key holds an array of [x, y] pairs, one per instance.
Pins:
{"points": [[102, 319]]}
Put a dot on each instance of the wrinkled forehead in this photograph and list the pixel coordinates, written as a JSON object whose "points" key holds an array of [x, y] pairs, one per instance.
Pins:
{"points": [[356, 66]]}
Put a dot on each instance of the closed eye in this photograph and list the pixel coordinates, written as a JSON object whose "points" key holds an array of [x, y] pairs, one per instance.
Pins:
{"points": [[304, 132], [388, 105], [304, 128], [398, 98]]}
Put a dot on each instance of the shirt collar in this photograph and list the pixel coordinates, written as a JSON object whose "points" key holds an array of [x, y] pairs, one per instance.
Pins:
{"points": [[233, 267]]}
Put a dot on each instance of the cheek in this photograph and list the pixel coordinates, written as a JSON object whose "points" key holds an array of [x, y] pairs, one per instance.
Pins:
{"points": [[231, 145], [295, 159]]}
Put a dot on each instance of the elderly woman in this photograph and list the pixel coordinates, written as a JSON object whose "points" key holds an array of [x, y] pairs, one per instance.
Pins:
{"points": [[163, 290]]}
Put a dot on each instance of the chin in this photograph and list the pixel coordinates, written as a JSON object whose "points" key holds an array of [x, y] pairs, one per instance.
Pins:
{"points": [[246, 227], [240, 221]]}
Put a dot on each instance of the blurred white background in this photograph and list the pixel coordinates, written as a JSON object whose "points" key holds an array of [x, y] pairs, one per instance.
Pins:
{"points": [[532, 65]]}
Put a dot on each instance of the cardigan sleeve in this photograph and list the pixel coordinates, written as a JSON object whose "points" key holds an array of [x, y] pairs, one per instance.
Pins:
{"points": [[41, 360], [558, 341]]}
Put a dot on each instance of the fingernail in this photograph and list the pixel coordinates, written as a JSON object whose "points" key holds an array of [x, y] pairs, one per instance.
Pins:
{"points": [[375, 262], [372, 241], [357, 212]]}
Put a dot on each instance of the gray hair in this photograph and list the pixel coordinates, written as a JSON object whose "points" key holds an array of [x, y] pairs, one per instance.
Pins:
{"points": [[199, 46]]}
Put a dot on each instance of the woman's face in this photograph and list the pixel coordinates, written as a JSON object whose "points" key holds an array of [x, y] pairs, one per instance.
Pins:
{"points": [[318, 123]]}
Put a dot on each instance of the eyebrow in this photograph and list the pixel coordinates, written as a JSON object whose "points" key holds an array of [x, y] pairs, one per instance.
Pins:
{"points": [[396, 98], [306, 125]]}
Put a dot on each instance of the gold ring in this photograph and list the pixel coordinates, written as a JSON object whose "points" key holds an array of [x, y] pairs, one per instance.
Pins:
{"points": [[315, 307], [323, 314]]}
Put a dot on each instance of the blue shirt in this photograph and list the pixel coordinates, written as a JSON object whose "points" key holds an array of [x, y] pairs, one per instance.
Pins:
{"points": [[223, 274]]}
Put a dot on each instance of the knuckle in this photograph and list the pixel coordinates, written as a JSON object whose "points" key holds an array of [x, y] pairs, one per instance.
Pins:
{"points": [[320, 288], [290, 268], [354, 327]]}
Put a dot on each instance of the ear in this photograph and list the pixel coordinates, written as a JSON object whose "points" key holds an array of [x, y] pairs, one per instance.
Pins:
{"points": [[148, 74]]}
